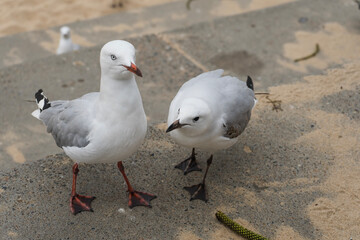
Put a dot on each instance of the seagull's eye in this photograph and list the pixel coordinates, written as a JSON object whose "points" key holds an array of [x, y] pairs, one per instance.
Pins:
{"points": [[113, 57], [178, 110], [196, 119]]}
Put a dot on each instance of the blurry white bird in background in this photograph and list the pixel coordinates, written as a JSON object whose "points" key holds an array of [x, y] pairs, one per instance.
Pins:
{"points": [[65, 42]]}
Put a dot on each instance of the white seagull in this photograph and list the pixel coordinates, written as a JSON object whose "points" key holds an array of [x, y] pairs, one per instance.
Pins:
{"points": [[209, 112], [101, 127], [65, 43]]}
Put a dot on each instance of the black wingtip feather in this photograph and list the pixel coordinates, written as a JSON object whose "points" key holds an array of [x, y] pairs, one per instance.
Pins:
{"points": [[41, 100], [250, 83], [38, 95]]}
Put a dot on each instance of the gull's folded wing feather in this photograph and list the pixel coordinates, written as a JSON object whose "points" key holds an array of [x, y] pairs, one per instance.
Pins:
{"points": [[69, 121], [237, 102]]}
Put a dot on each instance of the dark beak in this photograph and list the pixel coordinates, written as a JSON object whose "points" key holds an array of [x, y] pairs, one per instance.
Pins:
{"points": [[175, 125], [134, 69]]}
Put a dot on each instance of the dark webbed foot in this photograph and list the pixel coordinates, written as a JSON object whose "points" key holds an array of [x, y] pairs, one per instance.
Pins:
{"points": [[198, 191], [140, 199], [79, 203], [136, 198], [189, 164]]}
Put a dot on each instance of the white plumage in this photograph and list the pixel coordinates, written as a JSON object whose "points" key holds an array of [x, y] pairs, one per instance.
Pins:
{"points": [[209, 112], [106, 126], [221, 103]]}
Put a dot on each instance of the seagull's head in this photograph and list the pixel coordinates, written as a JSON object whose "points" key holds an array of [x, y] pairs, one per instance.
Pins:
{"points": [[193, 118], [117, 60], [65, 32]]}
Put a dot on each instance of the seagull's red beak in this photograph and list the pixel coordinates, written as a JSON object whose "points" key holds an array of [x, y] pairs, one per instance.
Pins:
{"points": [[134, 69]]}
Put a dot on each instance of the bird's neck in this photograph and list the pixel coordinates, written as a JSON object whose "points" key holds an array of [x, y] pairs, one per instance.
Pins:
{"points": [[117, 93], [65, 41]]}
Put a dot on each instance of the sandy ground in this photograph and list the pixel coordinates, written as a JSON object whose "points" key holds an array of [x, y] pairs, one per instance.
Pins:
{"points": [[338, 134], [28, 15], [42, 28]]}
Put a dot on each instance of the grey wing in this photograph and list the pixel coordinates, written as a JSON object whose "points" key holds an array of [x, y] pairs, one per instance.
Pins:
{"points": [[202, 79], [68, 122], [237, 113], [234, 128]]}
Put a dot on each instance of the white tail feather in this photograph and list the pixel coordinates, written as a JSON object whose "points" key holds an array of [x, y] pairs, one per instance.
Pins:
{"points": [[36, 113]]}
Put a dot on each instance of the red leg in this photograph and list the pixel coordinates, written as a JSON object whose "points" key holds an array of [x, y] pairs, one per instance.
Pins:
{"points": [[79, 203], [136, 198]]}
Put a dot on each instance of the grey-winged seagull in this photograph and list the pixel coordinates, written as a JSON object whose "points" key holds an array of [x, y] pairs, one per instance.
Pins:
{"points": [[209, 112], [65, 42], [101, 127]]}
